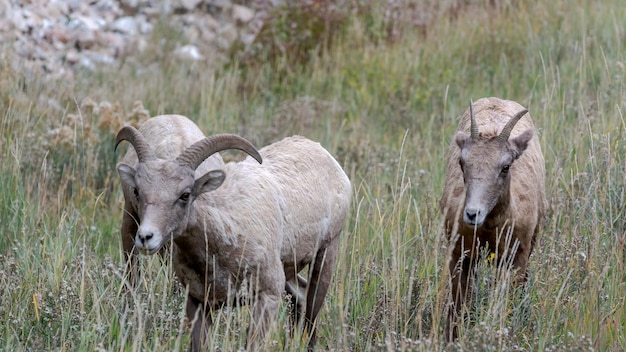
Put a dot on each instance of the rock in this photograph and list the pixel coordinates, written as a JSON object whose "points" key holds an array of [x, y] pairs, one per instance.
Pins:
{"points": [[130, 7], [187, 5], [189, 52], [59, 36], [5, 9], [86, 23], [242, 14], [126, 25], [85, 40], [227, 35]]}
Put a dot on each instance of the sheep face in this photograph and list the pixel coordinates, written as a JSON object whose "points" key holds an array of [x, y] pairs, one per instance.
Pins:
{"points": [[485, 164], [164, 192]]}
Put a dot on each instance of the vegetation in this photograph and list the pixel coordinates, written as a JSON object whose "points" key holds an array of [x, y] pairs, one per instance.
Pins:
{"points": [[383, 96]]}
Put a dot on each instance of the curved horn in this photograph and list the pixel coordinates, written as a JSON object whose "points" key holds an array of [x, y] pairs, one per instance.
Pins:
{"points": [[506, 131], [130, 134], [474, 127], [202, 149]]}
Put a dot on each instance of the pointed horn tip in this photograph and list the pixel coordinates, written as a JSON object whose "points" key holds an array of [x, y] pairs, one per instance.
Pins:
{"points": [[517, 117], [252, 150], [220, 142]]}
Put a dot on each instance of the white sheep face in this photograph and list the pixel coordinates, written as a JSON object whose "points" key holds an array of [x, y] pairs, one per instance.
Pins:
{"points": [[164, 192], [486, 165]]}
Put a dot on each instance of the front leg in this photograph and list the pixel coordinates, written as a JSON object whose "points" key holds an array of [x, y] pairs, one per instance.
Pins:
{"points": [[128, 232], [264, 314], [520, 264], [461, 279], [201, 321]]}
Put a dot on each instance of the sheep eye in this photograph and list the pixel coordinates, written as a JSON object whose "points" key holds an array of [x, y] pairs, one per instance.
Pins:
{"points": [[136, 192], [505, 170], [184, 197]]}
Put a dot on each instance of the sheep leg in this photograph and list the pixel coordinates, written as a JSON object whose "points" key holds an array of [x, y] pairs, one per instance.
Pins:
{"points": [[520, 263], [264, 313], [201, 322], [460, 273], [319, 281], [128, 231], [296, 287]]}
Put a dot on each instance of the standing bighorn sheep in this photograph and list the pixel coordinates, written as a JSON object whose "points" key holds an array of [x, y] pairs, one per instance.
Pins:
{"points": [[168, 136], [494, 193], [243, 227]]}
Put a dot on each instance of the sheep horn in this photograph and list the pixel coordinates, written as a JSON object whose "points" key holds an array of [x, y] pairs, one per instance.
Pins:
{"points": [[474, 127], [506, 131], [199, 151], [136, 139]]}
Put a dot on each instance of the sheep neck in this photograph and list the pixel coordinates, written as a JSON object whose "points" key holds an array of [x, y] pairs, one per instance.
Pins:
{"points": [[200, 238]]}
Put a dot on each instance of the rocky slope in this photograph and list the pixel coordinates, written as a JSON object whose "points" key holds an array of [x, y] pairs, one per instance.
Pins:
{"points": [[59, 36]]}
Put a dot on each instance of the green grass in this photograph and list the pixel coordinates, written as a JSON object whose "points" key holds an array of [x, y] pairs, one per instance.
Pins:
{"points": [[387, 109]]}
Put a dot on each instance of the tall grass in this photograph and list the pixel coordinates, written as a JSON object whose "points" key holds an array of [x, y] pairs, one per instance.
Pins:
{"points": [[386, 106]]}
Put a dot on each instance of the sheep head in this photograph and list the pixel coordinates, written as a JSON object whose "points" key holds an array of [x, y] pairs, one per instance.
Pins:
{"points": [[485, 164], [164, 190]]}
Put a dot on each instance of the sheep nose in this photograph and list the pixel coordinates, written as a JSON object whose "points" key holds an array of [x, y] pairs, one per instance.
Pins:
{"points": [[144, 237], [145, 234], [471, 214]]}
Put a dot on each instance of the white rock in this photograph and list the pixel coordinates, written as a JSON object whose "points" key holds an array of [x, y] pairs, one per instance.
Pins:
{"points": [[189, 52], [5, 9], [126, 25], [85, 22], [242, 14], [189, 5]]}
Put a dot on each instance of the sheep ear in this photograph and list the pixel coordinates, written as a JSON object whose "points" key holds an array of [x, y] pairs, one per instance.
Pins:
{"points": [[461, 139], [209, 182], [519, 143], [127, 174]]}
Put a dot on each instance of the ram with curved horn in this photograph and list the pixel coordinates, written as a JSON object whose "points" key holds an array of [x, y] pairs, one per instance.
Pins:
{"points": [[493, 196], [242, 233], [161, 137]]}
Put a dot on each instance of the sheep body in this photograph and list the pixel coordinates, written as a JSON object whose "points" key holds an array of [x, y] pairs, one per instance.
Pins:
{"points": [[490, 185], [168, 136], [251, 228]]}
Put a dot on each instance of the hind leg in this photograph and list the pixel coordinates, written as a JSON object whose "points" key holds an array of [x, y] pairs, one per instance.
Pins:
{"points": [[296, 287], [319, 281]]}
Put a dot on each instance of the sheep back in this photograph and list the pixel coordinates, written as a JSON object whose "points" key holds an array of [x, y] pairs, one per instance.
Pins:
{"points": [[316, 194]]}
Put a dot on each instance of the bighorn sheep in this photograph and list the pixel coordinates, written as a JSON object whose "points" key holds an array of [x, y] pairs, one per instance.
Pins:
{"points": [[168, 136], [244, 227], [494, 189]]}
